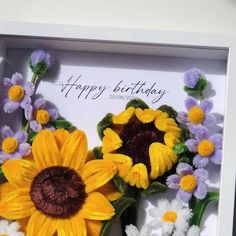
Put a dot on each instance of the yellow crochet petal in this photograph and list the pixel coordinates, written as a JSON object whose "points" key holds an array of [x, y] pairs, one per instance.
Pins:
{"points": [[96, 173], [170, 140], [17, 204], [61, 135], [45, 150], [90, 156], [97, 207], [94, 227], [146, 115], [74, 150], [40, 224], [19, 173], [111, 141], [138, 176], [161, 115], [123, 117], [5, 189], [74, 226], [162, 156], [110, 192], [123, 162], [163, 124], [176, 134]]}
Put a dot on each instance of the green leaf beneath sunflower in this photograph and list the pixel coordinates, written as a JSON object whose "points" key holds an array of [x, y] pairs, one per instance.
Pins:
{"points": [[62, 124], [154, 187], [103, 124], [97, 152], [169, 110], [185, 135], [137, 103], [120, 206], [120, 184]]}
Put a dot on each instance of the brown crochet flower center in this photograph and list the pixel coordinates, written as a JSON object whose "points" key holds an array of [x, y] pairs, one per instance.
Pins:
{"points": [[137, 137], [58, 192]]}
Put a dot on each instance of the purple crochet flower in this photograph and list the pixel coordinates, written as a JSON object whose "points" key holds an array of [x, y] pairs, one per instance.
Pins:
{"points": [[188, 182], [13, 145], [40, 116], [208, 147], [197, 114], [17, 93], [192, 76], [40, 62]]}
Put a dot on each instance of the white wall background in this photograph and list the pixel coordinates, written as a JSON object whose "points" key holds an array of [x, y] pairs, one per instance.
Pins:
{"points": [[184, 15]]}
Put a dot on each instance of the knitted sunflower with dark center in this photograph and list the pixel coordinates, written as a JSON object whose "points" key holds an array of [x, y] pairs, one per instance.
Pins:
{"points": [[140, 142]]}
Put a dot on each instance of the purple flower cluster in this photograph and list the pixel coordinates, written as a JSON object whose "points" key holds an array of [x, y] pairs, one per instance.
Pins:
{"points": [[197, 113], [17, 93], [207, 147], [188, 182], [13, 145], [40, 115]]}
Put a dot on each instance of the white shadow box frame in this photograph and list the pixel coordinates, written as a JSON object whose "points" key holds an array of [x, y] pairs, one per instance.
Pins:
{"points": [[147, 43]]}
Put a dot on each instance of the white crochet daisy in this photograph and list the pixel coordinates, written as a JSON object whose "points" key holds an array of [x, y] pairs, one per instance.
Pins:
{"points": [[170, 216], [10, 229], [132, 230]]}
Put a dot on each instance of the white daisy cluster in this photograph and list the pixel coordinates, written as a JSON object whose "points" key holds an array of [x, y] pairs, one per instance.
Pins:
{"points": [[171, 217], [10, 228]]}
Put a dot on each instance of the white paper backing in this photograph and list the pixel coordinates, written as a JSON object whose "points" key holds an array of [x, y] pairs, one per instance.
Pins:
{"points": [[105, 71]]}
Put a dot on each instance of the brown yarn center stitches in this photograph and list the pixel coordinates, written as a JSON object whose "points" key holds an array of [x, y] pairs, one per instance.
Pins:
{"points": [[58, 192], [137, 137]]}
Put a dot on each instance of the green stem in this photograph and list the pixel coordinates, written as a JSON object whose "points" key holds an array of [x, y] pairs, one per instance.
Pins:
{"points": [[200, 206], [130, 214], [34, 78], [201, 96], [26, 127]]}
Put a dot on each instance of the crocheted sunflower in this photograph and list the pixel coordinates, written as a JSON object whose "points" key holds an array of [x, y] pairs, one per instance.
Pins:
{"points": [[140, 142]]}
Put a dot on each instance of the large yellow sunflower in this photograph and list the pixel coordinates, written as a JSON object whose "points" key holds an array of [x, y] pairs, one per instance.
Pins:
{"points": [[140, 142], [57, 191]]}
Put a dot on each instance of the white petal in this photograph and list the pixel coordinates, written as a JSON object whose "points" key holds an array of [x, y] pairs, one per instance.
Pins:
{"points": [[131, 230], [193, 231], [167, 228]]}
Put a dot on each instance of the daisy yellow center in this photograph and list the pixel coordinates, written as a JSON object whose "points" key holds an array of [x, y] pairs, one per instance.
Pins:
{"points": [[196, 115], [42, 116], [205, 148], [4, 234], [170, 216], [188, 183], [10, 145], [16, 93], [58, 192]]}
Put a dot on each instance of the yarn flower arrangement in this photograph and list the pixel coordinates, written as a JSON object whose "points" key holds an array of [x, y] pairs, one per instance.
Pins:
{"points": [[52, 185]]}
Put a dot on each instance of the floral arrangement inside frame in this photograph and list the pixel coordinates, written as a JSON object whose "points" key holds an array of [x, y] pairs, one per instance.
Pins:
{"points": [[51, 184]]}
